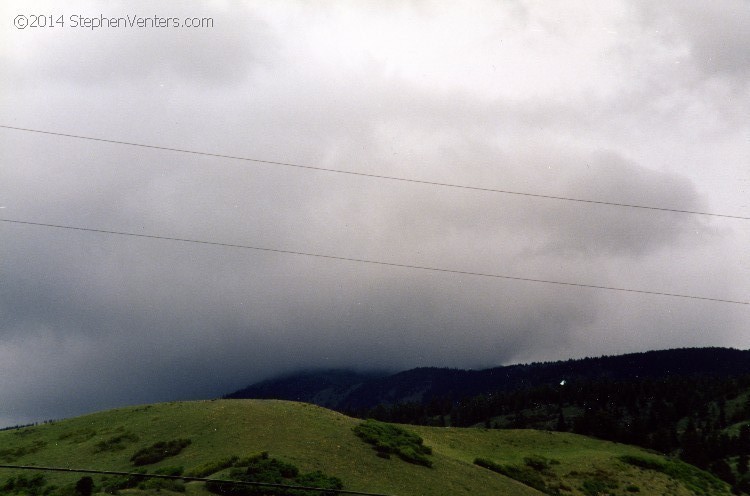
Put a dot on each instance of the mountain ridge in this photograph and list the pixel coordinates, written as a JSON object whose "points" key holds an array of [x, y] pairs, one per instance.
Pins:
{"points": [[347, 390]]}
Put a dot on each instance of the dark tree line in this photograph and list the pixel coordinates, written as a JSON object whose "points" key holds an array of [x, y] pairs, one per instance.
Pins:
{"points": [[685, 416]]}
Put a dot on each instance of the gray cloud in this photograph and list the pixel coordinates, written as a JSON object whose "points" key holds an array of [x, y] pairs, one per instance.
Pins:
{"points": [[525, 100], [717, 38]]}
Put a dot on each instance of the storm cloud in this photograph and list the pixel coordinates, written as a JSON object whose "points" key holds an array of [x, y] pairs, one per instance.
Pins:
{"points": [[616, 102]]}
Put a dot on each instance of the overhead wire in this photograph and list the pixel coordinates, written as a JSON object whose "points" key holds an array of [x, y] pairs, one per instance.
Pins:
{"points": [[369, 261], [192, 479], [379, 176]]}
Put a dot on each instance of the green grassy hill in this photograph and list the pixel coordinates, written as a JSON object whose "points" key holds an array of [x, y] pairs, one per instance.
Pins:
{"points": [[313, 438]]}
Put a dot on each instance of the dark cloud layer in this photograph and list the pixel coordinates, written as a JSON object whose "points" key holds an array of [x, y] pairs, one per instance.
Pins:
{"points": [[586, 104]]}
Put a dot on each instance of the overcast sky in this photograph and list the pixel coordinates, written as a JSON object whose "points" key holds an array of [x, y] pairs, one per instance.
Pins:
{"points": [[629, 102]]}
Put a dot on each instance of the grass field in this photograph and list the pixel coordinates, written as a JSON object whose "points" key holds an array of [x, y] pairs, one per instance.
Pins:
{"points": [[313, 438]]}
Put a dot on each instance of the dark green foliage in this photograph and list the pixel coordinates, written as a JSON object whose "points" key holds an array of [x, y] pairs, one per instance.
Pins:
{"points": [[10, 455], [175, 485], [78, 436], [270, 470], [248, 460], [318, 479], [539, 463], [263, 469], [31, 486], [644, 462], [723, 471], [389, 439], [84, 486], [597, 487], [742, 463], [115, 443], [524, 475], [209, 468], [742, 486], [632, 488], [113, 485], [696, 480], [174, 471], [159, 451]]}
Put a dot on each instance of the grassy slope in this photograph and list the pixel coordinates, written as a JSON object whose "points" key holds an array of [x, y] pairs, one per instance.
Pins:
{"points": [[314, 438]]}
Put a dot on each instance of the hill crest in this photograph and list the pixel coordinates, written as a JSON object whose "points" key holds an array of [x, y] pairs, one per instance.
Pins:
{"points": [[346, 390]]}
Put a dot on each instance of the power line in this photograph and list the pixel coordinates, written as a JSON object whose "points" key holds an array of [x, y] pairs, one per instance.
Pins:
{"points": [[371, 262], [380, 176], [190, 479]]}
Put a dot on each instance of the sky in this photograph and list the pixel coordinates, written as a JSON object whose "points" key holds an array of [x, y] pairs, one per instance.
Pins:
{"points": [[630, 102]]}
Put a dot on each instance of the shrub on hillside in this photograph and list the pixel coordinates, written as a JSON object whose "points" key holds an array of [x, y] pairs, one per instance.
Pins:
{"points": [[596, 487], [248, 460], [318, 479], [113, 485], [9, 455], [539, 463], [172, 470], [32, 486], [524, 475], [77, 436], [695, 479], [84, 486], [389, 439], [644, 462], [173, 485], [115, 443], [266, 470], [209, 468], [159, 451]]}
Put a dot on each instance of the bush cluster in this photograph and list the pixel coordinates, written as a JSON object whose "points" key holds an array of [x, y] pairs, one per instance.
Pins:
{"points": [[695, 479], [78, 436], [159, 451], [523, 474], [209, 468], [539, 462], [173, 485], [24, 485], [263, 469], [389, 439], [596, 487], [644, 462], [113, 485], [9, 455], [37, 485], [115, 443]]}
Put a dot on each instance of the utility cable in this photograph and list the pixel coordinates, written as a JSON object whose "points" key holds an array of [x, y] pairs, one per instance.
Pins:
{"points": [[192, 479], [371, 262], [380, 176]]}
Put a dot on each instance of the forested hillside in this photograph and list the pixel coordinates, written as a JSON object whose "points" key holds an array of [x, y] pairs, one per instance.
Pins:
{"points": [[692, 403]]}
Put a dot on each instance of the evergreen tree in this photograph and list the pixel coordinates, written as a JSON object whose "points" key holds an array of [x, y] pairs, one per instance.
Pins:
{"points": [[742, 465], [723, 471], [84, 486], [562, 426]]}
